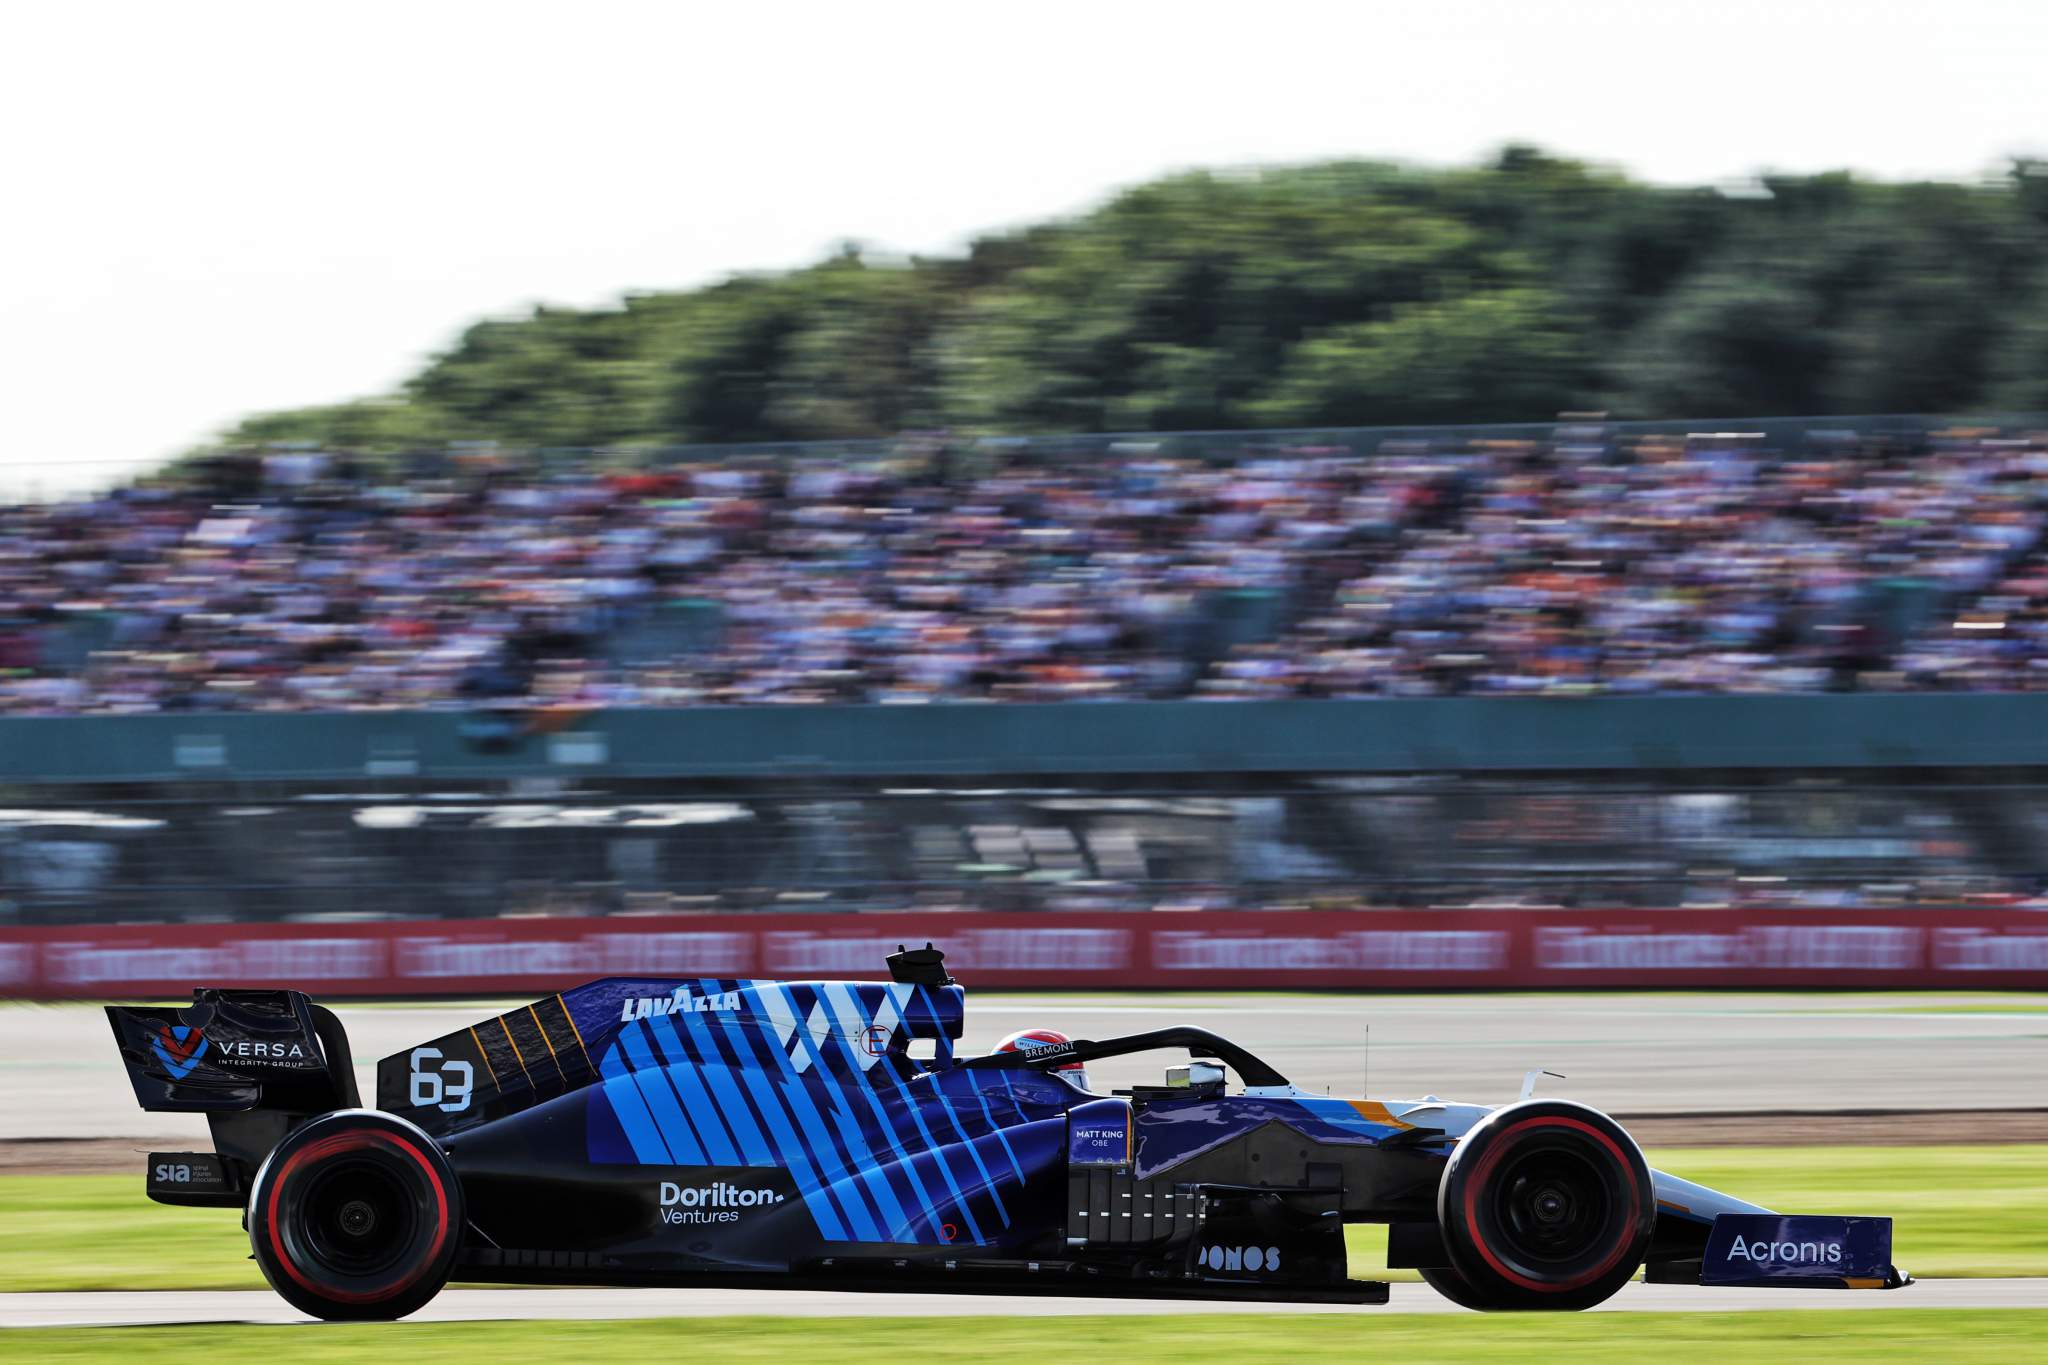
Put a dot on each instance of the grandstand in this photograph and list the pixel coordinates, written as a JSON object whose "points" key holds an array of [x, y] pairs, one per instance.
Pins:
{"points": [[1851, 555], [1478, 667]]}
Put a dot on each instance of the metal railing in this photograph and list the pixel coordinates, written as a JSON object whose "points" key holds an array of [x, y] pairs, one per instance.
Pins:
{"points": [[1223, 446], [1802, 839]]}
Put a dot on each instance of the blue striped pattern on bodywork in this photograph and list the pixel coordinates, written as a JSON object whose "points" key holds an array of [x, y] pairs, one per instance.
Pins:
{"points": [[812, 1077]]}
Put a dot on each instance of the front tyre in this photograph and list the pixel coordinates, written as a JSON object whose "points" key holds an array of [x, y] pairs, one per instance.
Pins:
{"points": [[356, 1215], [1544, 1204]]}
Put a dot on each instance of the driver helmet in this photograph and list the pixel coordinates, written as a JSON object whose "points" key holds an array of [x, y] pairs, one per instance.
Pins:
{"points": [[1025, 1039]]}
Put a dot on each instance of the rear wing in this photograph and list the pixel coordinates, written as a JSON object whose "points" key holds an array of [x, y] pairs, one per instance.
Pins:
{"points": [[231, 1051]]}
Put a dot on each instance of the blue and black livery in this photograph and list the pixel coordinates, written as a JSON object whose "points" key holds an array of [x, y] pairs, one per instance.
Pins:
{"points": [[824, 1133]]}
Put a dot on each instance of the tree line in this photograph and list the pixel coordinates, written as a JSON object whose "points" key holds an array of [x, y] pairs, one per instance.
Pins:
{"points": [[1352, 293]]}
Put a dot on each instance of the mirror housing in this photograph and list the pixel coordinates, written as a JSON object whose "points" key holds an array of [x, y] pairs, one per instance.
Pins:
{"points": [[1198, 1073]]}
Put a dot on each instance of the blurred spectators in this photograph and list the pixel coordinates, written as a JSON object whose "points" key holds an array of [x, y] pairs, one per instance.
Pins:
{"points": [[1692, 567], [1579, 564]]}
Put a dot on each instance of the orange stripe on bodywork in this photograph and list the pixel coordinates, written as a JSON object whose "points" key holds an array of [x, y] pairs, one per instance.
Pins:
{"points": [[1676, 1207], [1862, 1284], [543, 1032], [572, 1026], [515, 1044], [481, 1052], [580, 1045], [1374, 1112]]}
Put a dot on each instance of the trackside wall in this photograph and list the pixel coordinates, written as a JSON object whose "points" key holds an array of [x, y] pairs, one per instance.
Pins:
{"points": [[2001, 948]]}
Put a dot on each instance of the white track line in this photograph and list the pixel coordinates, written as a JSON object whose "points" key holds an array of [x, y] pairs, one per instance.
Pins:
{"points": [[156, 1308]]}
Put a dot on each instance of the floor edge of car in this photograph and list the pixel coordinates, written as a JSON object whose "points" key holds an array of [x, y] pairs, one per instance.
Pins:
{"points": [[1054, 1281]]}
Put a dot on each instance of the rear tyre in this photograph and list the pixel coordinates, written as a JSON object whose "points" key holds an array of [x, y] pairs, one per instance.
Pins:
{"points": [[1544, 1205], [1453, 1286], [356, 1216]]}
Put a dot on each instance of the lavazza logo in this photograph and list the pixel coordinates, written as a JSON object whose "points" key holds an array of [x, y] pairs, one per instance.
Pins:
{"points": [[1786, 1253], [679, 1001], [717, 1202]]}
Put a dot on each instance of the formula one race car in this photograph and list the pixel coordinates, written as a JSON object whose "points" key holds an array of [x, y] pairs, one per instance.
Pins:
{"points": [[823, 1134]]}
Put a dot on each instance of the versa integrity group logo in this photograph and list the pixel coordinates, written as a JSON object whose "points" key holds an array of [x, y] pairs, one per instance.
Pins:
{"points": [[179, 1047]]}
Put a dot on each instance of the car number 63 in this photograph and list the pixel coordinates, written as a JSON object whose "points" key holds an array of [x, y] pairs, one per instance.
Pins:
{"points": [[446, 1086]]}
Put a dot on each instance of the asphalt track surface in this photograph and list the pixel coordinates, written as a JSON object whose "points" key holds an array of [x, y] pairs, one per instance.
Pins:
{"points": [[164, 1308], [1626, 1053]]}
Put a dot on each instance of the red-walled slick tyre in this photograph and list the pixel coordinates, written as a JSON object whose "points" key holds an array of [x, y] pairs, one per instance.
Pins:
{"points": [[356, 1215], [1453, 1286], [1545, 1204]]}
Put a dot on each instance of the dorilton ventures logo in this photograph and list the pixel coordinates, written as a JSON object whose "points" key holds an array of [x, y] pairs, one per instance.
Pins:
{"points": [[717, 1202], [178, 1047]]}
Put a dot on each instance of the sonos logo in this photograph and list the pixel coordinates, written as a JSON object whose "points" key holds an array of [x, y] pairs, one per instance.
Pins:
{"points": [[1238, 1258]]}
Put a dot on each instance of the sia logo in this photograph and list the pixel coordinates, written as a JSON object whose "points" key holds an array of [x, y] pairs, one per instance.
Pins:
{"points": [[179, 1047]]}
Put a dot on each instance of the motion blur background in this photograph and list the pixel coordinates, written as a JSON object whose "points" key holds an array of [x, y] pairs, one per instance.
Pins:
{"points": [[1497, 481]]}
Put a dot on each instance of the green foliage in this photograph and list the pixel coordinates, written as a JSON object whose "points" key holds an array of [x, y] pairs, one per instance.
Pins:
{"points": [[367, 424], [2022, 356], [1353, 292], [1497, 355], [557, 378]]}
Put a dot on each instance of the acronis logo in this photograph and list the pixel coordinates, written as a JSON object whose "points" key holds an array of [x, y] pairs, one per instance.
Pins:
{"points": [[679, 1001], [1786, 1253], [178, 1048]]}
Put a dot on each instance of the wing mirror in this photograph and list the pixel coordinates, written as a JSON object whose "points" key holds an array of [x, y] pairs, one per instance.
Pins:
{"points": [[1195, 1074]]}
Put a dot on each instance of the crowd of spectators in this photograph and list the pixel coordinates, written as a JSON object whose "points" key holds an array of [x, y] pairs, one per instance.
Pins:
{"points": [[1704, 565], [1585, 562]]}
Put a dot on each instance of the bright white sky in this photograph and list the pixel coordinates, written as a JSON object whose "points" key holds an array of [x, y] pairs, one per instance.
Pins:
{"points": [[212, 209]]}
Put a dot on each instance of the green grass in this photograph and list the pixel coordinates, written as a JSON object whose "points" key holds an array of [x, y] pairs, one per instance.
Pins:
{"points": [[1810, 1338], [1960, 1211], [1957, 1211], [101, 1232]]}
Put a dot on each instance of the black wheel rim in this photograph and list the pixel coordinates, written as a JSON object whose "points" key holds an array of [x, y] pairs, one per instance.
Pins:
{"points": [[356, 1217], [1557, 1208]]}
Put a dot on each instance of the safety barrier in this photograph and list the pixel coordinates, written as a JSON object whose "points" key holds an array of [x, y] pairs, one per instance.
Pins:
{"points": [[790, 744], [2000, 947]]}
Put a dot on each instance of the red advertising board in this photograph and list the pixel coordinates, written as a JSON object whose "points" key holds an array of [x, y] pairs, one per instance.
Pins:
{"points": [[1329, 949]]}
